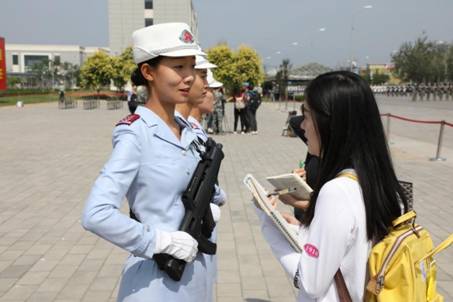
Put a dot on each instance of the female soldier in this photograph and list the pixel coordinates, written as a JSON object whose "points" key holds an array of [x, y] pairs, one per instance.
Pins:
{"points": [[206, 107], [356, 195], [197, 92], [152, 162]]}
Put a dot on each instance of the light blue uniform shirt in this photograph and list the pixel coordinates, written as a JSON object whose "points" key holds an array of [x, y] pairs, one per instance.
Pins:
{"points": [[197, 128], [152, 168]]}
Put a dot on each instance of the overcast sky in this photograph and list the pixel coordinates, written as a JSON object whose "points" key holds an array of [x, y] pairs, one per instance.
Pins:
{"points": [[329, 32]]}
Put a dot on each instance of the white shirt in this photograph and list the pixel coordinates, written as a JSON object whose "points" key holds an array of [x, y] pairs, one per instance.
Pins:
{"points": [[335, 238]]}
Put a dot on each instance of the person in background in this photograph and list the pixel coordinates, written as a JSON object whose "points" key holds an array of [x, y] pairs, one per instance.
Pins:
{"points": [[253, 101], [356, 196], [240, 111], [154, 156], [308, 169], [132, 101]]}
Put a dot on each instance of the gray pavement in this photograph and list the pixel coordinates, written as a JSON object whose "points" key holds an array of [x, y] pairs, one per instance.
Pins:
{"points": [[49, 159]]}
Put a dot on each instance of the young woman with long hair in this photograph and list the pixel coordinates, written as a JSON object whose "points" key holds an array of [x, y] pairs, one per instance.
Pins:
{"points": [[356, 195]]}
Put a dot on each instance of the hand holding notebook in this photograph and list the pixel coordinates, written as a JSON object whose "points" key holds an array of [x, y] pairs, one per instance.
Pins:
{"points": [[291, 184], [263, 202]]}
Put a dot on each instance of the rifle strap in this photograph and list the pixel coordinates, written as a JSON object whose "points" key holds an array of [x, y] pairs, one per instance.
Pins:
{"points": [[342, 289]]}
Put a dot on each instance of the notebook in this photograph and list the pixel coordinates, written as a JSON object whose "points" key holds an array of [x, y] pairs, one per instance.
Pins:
{"points": [[291, 183], [260, 195]]}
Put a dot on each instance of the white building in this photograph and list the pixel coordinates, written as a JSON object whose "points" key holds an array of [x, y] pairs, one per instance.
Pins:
{"points": [[176, 11], [125, 16], [20, 57]]}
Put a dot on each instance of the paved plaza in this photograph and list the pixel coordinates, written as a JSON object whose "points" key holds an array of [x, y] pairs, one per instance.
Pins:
{"points": [[49, 159]]}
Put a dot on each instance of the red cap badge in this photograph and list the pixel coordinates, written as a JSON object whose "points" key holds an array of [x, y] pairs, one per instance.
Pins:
{"points": [[186, 37]]}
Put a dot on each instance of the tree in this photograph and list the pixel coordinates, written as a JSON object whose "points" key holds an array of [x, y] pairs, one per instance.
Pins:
{"points": [[235, 68], [223, 57], [449, 64], [123, 66], [438, 62], [41, 73], [96, 71], [70, 74], [14, 82], [249, 67], [412, 60], [422, 61], [379, 78]]}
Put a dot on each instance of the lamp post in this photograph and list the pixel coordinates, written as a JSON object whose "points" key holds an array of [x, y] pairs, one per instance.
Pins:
{"points": [[353, 64]]}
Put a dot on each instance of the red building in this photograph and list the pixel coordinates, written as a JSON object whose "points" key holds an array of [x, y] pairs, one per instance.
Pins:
{"points": [[2, 64]]}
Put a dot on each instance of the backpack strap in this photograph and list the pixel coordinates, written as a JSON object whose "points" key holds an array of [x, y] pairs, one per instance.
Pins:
{"points": [[342, 289], [404, 218], [348, 175], [442, 246]]}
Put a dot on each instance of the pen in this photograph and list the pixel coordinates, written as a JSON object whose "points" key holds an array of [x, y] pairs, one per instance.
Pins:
{"points": [[282, 192]]}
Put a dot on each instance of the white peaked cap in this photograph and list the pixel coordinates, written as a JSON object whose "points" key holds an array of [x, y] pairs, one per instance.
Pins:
{"points": [[202, 63], [213, 83], [166, 39]]}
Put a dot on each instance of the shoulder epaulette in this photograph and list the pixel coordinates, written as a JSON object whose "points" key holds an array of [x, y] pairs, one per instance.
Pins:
{"points": [[128, 120]]}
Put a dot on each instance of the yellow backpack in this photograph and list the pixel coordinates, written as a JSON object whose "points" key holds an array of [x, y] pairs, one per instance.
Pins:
{"points": [[401, 266]]}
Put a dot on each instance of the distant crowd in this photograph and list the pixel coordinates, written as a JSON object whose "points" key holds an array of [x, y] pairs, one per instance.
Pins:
{"points": [[420, 92]]}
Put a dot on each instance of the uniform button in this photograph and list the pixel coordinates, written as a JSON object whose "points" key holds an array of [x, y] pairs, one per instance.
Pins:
{"points": [[188, 172], [183, 152]]}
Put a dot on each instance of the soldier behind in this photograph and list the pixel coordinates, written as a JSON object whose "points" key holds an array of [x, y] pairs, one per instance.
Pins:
{"points": [[422, 91], [448, 91], [415, 91], [219, 105], [429, 90], [435, 89]]}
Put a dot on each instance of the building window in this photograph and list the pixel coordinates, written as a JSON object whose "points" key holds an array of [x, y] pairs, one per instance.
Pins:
{"points": [[148, 22], [15, 60], [148, 4], [56, 60], [32, 60]]}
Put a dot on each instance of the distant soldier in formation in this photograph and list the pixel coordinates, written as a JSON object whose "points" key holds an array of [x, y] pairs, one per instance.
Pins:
{"points": [[433, 91], [441, 91], [449, 91], [219, 108], [429, 90], [423, 91], [414, 92]]}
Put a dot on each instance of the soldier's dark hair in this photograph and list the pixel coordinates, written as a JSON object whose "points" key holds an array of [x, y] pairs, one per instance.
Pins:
{"points": [[137, 77], [347, 120]]}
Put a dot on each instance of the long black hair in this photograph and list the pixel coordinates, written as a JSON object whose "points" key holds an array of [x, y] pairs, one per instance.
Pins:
{"points": [[351, 135]]}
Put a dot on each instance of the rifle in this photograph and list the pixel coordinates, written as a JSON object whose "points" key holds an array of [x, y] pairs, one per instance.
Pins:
{"points": [[198, 220]]}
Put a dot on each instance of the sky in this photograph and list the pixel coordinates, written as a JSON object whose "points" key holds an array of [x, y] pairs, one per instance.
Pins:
{"points": [[329, 32]]}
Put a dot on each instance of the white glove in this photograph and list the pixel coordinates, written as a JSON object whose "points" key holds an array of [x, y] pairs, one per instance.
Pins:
{"points": [[178, 244], [215, 210]]}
